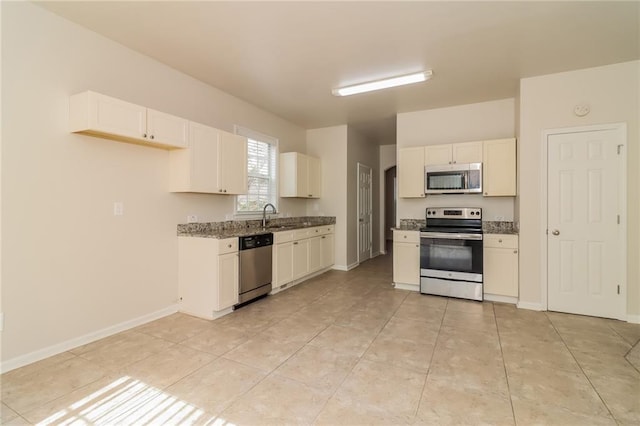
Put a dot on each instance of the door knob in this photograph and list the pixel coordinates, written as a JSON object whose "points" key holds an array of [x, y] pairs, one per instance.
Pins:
{"points": [[556, 232]]}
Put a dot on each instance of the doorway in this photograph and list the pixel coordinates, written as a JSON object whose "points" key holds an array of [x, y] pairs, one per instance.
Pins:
{"points": [[390, 199], [586, 226], [365, 212]]}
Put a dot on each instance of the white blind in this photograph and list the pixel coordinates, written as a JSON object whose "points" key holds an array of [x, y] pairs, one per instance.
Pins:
{"points": [[261, 170]]}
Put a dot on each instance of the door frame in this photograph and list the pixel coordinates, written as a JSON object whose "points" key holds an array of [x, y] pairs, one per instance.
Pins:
{"points": [[359, 165], [621, 128]]}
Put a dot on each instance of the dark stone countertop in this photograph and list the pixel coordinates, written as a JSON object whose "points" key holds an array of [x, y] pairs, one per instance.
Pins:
{"points": [[243, 228]]}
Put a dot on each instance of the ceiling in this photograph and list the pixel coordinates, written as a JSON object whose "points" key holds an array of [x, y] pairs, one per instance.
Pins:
{"points": [[285, 57]]}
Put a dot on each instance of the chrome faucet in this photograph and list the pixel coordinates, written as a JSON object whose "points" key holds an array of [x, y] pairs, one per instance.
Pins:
{"points": [[264, 213]]}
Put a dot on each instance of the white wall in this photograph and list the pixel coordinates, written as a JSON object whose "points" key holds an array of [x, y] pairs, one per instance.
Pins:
{"points": [[70, 268], [464, 123], [547, 102], [330, 145], [387, 160], [361, 150]]}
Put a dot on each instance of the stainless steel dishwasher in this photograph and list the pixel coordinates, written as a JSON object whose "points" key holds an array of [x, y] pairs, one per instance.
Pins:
{"points": [[255, 266]]}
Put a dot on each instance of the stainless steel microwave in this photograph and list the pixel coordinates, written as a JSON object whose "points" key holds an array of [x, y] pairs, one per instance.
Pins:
{"points": [[453, 179]]}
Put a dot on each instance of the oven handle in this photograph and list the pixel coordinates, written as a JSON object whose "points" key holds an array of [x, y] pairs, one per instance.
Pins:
{"points": [[447, 236]]}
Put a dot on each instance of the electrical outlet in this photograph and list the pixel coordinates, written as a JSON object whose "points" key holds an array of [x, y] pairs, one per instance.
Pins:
{"points": [[192, 218], [118, 208]]}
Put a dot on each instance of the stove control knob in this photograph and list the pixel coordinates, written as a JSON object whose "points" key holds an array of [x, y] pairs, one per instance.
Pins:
{"points": [[473, 213]]}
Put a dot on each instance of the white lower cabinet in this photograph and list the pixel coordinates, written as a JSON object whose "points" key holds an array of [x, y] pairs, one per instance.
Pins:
{"points": [[328, 250], [301, 253], [300, 258], [207, 276], [406, 259], [282, 264], [500, 263]]}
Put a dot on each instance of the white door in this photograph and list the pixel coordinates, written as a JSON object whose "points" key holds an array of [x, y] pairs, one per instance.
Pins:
{"points": [[365, 210], [586, 232]]}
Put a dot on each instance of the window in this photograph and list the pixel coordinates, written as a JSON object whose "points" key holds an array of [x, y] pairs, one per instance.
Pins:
{"points": [[262, 152]]}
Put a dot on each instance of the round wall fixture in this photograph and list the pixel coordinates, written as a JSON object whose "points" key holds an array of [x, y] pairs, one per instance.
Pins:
{"points": [[581, 110]]}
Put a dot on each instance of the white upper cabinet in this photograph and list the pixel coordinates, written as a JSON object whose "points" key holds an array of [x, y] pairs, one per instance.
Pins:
{"points": [[499, 168], [300, 175], [215, 162], [100, 115], [457, 153], [232, 163], [411, 172]]}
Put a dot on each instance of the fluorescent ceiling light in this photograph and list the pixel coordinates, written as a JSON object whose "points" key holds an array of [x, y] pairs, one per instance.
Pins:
{"points": [[383, 84]]}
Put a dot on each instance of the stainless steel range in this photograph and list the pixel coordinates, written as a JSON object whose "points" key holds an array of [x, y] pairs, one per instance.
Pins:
{"points": [[451, 253]]}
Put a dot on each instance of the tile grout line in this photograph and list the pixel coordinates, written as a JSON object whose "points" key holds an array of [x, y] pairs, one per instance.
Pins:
{"points": [[582, 369], [504, 365], [360, 358], [435, 346]]}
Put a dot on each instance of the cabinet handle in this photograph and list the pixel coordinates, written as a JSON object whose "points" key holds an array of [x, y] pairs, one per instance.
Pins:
{"points": [[486, 193], [225, 190], [404, 236], [295, 243], [229, 246], [499, 241], [144, 135], [323, 237], [152, 137], [310, 195]]}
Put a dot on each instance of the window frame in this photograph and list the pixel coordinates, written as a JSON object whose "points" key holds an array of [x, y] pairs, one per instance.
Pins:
{"points": [[274, 146]]}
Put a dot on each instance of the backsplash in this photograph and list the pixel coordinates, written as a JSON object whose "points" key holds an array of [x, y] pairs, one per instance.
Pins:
{"points": [[238, 225]]}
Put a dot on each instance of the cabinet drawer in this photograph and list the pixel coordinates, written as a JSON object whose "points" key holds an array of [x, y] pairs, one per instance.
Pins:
{"points": [[318, 230], [324, 230], [228, 245], [406, 236], [282, 237], [301, 234], [500, 241]]}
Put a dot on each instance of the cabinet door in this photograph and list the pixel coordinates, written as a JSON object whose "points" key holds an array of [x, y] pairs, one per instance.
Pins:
{"points": [[301, 176], [300, 258], [406, 263], [315, 254], [328, 250], [167, 129], [411, 172], [314, 177], [232, 163], [282, 263], [499, 168], [467, 152], [437, 155], [227, 281], [202, 159], [500, 273], [116, 117]]}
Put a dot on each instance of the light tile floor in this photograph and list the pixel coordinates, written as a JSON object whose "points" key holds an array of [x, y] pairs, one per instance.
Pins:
{"points": [[343, 348]]}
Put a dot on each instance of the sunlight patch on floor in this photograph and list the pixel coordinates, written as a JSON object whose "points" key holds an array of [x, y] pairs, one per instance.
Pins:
{"points": [[127, 401]]}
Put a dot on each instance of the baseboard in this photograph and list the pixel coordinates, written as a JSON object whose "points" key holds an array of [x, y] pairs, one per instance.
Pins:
{"points": [[346, 267], [43, 353], [403, 286], [634, 319], [502, 299], [530, 306]]}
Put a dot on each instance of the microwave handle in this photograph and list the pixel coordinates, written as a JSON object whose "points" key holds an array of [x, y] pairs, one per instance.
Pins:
{"points": [[465, 180]]}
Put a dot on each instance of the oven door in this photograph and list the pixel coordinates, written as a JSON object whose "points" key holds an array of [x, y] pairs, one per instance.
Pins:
{"points": [[451, 256]]}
